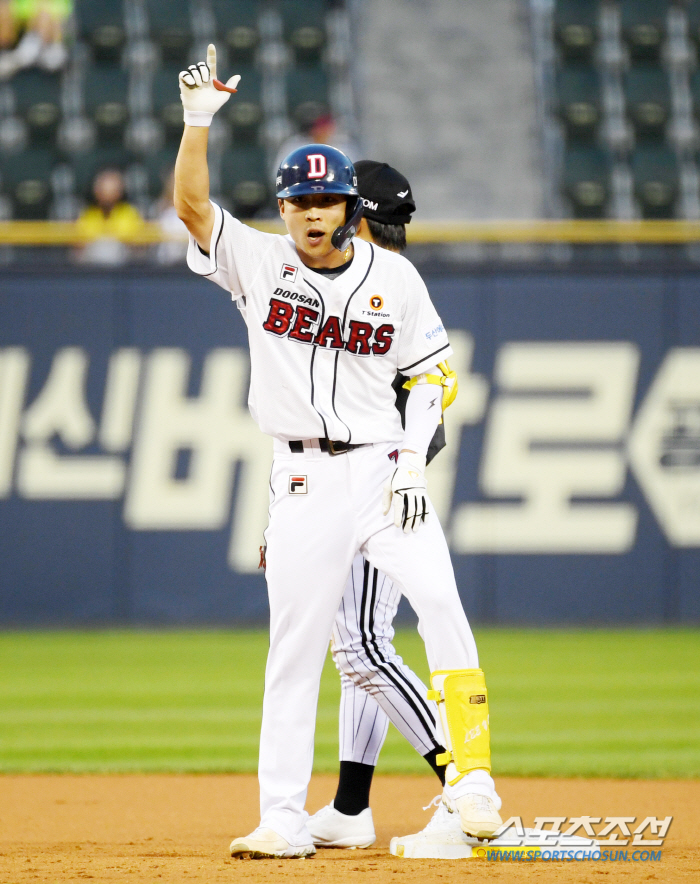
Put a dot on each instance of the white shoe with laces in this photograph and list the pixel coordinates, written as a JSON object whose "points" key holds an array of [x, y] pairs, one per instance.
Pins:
{"points": [[442, 838], [478, 815], [263, 843], [331, 828]]}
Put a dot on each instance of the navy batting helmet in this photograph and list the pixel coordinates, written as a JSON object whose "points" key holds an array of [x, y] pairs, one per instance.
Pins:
{"points": [[320, 168], [316, 168]]}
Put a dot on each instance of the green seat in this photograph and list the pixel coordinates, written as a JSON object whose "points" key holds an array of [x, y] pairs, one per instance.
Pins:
{"points": [[237, 28], [244, 179], [304, 27], [158, 167], [101, 24], [648, 98], [38, 102], [167, 106], [106, 91], [86, 167], [576, 27], [579, 102], [307, 94], [244, 109], [586, 180], [695, 92], [644, 27], [656, 180], [693, 13], [170, 27], [26, 180]]}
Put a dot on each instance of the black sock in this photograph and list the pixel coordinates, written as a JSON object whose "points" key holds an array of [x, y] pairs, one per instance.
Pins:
{"points": [[354, 784], [438, 768]]}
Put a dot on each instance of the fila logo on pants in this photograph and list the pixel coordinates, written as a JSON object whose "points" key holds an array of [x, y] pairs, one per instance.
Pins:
{"points": [[297, 485], [301, 324]]}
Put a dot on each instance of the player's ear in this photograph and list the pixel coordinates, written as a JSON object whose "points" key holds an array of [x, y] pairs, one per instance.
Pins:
{"points": [[280, 203]]}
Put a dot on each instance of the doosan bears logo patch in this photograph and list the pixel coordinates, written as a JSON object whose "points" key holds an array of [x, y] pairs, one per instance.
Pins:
{"points": [[297, 485]]}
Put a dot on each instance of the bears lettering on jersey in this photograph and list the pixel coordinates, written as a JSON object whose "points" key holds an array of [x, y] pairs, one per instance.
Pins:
{"points": [[301, 323]]}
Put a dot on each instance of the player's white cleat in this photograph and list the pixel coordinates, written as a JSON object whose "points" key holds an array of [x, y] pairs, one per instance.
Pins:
{"points": [[264, 843], [331, 828], [442, 838], [478, 815]]}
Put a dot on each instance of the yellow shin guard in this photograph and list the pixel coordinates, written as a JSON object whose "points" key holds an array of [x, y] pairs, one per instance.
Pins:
{"points": [[463, 705]]}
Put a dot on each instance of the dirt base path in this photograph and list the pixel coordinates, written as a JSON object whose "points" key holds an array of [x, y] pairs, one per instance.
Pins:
{"points": [[165, 829]]}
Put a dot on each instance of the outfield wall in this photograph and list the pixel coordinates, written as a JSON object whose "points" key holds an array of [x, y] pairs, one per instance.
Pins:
{"points": [[133, 483]]}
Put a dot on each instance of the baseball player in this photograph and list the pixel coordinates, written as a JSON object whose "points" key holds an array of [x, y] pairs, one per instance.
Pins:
{"points": [[373, 677], [331, 319]]}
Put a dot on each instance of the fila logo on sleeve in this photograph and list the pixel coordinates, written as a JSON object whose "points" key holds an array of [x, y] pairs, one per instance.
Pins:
{"points": [[297, 485], [289, 272], [317, 165]]}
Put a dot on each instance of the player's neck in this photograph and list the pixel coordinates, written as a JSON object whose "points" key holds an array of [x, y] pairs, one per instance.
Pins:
{"points": [[327, 262]]}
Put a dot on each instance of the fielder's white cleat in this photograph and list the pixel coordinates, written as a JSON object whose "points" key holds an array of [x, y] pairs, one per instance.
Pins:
{"points": [[442, 838], [266, 843], [478, 815], [331, 828]]}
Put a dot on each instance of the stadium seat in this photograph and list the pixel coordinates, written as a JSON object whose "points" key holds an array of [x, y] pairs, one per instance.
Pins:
{"points": [[695, 92], [656, 180], [106, 90], [304, 27], [167, 106], [86, 167], [578, 93], [307, 94], [158, 166], [101, 24], [644, 26], [38, 102], [693, 14], [26, 179], [170, 26], [244, 110], [576, 28], [243, 179], [237, 28], [648, 98], [587, 180]]}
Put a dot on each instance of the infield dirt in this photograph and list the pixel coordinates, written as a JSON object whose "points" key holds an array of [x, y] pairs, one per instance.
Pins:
{"points": [[170, 828]]}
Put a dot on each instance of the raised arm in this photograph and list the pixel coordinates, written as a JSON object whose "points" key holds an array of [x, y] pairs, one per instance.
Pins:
{"points": [[202, 95], [191, 194]]}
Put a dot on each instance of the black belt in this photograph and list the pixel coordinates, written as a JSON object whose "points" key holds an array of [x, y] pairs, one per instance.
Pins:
{"points": [[332, 448]]}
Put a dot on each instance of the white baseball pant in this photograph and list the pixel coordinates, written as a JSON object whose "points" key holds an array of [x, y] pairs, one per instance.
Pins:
{"points": [[312, 539]]}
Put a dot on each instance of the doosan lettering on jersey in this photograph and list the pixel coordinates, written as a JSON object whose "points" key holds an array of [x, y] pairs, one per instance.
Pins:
{"points": [[324, 351]]}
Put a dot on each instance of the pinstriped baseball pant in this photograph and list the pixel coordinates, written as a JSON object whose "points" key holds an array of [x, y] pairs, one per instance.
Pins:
{"points": [[376, 685]]}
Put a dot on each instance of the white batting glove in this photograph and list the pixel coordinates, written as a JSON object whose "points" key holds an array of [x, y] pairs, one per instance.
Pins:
{"points": [[406, 491], [201, 93]]}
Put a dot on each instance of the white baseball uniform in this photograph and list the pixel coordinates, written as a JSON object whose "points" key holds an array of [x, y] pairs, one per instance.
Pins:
{"points": [[324, 352]]}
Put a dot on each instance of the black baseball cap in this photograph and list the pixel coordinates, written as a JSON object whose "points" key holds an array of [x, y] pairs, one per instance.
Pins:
{"points": [[386, 194]]}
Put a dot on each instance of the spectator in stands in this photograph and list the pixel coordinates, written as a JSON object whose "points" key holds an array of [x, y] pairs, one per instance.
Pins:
{"points": [[173, 252], [40, 24], [321, 130], [108, 220]]}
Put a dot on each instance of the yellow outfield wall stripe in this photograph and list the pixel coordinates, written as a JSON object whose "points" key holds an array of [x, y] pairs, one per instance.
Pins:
{"points": [[64, 233]]}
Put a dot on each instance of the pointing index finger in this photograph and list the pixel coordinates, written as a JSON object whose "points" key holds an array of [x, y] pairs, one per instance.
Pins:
{"points": [[211, 60]]}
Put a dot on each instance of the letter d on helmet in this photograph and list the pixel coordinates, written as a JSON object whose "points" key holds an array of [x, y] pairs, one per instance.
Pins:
{"points": [[320, 168]]}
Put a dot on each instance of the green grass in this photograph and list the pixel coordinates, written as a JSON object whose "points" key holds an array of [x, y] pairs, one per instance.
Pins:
{"points": [[582, 703]]}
